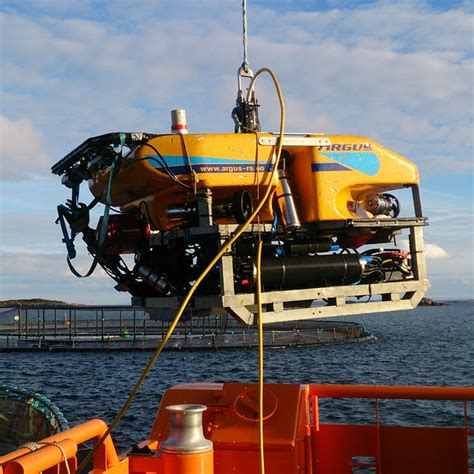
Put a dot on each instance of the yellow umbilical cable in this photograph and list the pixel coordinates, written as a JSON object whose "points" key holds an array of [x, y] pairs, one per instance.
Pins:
{"points": [[260, 357], [226, 246]]}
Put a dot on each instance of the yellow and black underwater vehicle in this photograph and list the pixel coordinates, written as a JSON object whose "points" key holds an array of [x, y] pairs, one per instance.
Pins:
{"points": [[328, 226]]}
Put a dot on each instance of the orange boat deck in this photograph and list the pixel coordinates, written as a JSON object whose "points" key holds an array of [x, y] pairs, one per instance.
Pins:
{"points": [[295, 439]]}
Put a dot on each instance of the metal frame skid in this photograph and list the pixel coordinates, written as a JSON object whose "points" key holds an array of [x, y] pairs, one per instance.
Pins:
{"points": [[309, 301]]}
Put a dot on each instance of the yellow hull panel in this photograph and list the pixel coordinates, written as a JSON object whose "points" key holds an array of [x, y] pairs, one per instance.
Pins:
{"points": [[328, 181]]}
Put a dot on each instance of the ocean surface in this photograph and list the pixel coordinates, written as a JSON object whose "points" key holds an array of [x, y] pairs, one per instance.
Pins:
{"points": [[426, 346]]}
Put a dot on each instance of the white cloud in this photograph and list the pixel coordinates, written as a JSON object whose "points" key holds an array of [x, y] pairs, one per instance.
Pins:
{"points": [[30, 232], [24, 264], [21, 149], [432, 251]]}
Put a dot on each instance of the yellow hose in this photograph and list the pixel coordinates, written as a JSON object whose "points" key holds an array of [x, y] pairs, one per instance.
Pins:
{"points": [[211, 265], [260, 357]]}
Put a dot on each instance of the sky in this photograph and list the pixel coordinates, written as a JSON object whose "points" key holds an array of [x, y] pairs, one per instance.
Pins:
{"points": [[400, 73]]}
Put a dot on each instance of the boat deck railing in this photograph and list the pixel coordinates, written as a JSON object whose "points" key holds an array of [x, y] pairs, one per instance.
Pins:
{"points": [[385, 447], [294, 430]]}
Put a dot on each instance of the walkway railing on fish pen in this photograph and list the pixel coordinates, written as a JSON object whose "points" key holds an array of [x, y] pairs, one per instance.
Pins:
{"points": [[126, 327]]}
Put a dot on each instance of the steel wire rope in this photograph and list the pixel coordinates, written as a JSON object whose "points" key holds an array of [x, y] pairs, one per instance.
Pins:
{"points": [[245, 64], [225, 247]]}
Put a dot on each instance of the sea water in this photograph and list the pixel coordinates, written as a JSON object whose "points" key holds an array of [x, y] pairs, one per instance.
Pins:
{"points": [[426, 346]]}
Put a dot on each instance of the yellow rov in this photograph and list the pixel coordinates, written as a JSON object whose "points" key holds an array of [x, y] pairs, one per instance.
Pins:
{"points": [[324, 210]]}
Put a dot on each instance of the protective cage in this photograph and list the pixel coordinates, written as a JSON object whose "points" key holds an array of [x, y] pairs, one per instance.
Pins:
{"points": [[298, 303]]}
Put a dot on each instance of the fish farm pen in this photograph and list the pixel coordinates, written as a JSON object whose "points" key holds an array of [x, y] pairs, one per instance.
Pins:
{"points": [[68, 328]]}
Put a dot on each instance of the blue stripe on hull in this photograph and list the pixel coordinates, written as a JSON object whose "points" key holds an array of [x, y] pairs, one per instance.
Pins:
{"points": [[328, 167], [365, 162]]}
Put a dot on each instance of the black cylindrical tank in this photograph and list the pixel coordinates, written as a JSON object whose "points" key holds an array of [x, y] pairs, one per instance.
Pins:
{"points": [[302, 271]]}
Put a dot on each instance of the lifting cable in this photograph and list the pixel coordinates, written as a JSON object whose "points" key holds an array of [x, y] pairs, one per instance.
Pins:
{"points": [[245, 64], [226, 246]]}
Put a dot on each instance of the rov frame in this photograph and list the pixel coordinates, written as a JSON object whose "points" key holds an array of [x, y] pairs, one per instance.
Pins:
{"points": [[299, 304]]}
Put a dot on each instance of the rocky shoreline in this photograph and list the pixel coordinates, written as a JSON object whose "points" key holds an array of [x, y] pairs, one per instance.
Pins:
{"points": [[430, 302], [27, 303]]}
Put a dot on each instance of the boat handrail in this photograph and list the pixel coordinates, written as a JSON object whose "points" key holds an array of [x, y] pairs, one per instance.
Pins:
{"points": [[393, 392]]}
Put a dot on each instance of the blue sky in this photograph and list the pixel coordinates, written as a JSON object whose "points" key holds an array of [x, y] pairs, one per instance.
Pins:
{"points": [[400, 73]]}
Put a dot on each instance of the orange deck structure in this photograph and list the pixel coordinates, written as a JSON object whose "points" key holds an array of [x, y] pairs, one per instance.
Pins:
{"points": [[295, 439]]}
